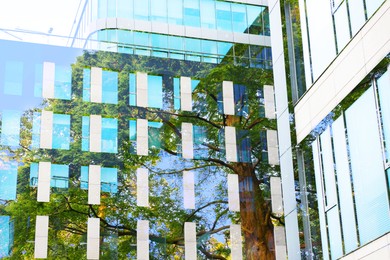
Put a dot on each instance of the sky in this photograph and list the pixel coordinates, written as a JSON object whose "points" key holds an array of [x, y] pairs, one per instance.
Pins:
{"points": [[38, 16]]}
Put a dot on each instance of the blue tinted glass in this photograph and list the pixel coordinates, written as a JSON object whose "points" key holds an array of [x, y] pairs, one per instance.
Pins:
{"points": [[224, 47], [175, 12], [8, 177], [158, 10], [109, 135], [112, 36], [10, 127], [208, 14], [224, 18], [194, 83], [13, 78], [125, 37], [141, 10], [243, 146], [110, 87], [87, 85], [61, 131], [6, 232], [240, 100], [159, 41], [34, 167], [154, 134], [193, 45], [210, 47], [191, 13], [63, 82], [240, 23], [109, 180], [176, 93], [133, 130], [59, 176], [155, 91], [200, 142], [102, 8], [111, 8], [38, 78], [141, 39], [133, 91], [125, 9], [84, 178], [36, 130], [85, 134]]}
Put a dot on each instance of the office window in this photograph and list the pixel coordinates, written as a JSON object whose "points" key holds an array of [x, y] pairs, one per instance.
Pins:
{"points": [[233, 99], [144, 135], [240, 23], [100, 86], [372, 6], [383, 84], [59, 175], [125, 9], [99, 134], [10, 127], [175, 12], [155, 94], [207, 15], [191, 13], [257, 18], [145, 90], [53, 81], [224, 16], [141, 10], [243, 146], [343, 34], [108, 179], [13, 78], [356, 15], [8, 177], [201, 150], [182, 93], [158, 10], [51, 131]]}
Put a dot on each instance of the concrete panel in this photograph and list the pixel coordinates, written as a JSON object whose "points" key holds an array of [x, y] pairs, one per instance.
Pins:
{"points": [[233, 192], [142, 137], [276, 195], [272, 146], [190, 241], [94, 175], [143, 240], [46, 134], [48, 79], [142, 187], [189, 190], [280, 243], [187, 140], [288, 183], [44, 175], [292, 236], [95, 133], [96, 84], [228, 97], [284, 133], [236, 242], [142, 89], [230, 144], [276, 28], [41, 236], [185, 94], [269, 102], [280, 85], [93, 238]]}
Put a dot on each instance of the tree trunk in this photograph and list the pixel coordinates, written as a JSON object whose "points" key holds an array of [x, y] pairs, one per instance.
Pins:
{"points": [[255, 216]]}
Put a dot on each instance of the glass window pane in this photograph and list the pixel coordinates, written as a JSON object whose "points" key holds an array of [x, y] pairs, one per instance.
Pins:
{"points": [[109, 180], [125, 9], [10, 127], [87, 85], [191, 13], [84, 178], [175, 12], [158, 10], [224, 18], [154, 135], [8, 180], [36, 130], [85, 134], [59, 176], [356, 15], [63, 82], [13, 78], [109, 135], [111, 8], [335, 242], [176, 93], [141, 10], [38, 79], [154, 91], [372, 205], [342, 26], [208, 14], [110, 87], [384, 98], [132, 89], [102, 8], [240, 23], [61, 131], [372, 6]]}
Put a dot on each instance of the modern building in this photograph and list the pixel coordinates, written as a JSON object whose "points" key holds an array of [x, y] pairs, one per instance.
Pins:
{"points": [[153, 137], [336, 78]]}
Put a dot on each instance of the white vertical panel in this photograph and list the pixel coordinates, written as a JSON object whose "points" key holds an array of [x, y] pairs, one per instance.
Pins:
{"points": [[269, 102], [328, 164], [230, 144], [48, 79], [41, 236], [142, 187], [228, 97], [344, 185], [305, 43], [142, 89], [46, 134], [185, 94], [190, 241], [233, 192], [143, 240], [189, 189], [94, 173], [320, 199], [93, 238], [187, 140], [142, 137], [236, 242], [272, 147], [334, 230], [292, 235], [280, 243], [95, 132], [276, 195], [96, 84], [44, 173]]}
